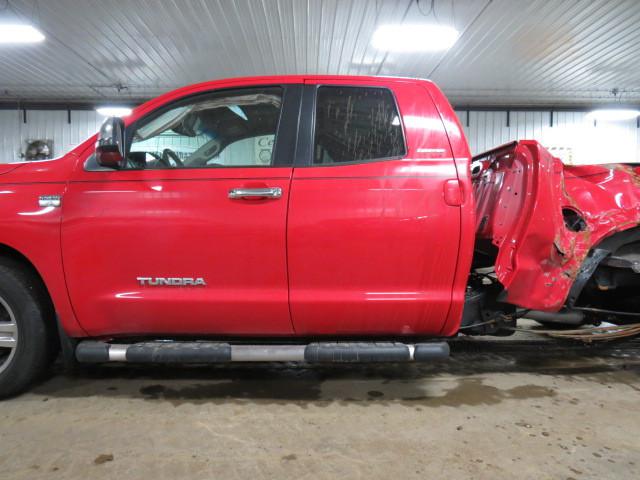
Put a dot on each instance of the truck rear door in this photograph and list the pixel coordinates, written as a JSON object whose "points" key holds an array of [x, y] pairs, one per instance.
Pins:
{"points": [[372, 244]]}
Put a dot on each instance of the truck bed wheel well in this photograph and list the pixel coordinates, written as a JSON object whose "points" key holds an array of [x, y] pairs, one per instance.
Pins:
{"points": [[609, 278], [17, 261]]}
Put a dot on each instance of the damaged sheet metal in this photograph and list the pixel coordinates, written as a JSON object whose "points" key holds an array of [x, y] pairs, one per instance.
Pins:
{"points": [[523, 197]]}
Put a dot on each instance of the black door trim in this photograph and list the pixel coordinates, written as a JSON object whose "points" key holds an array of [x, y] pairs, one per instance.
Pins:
{"points": [[284, 151], [304, 148]]}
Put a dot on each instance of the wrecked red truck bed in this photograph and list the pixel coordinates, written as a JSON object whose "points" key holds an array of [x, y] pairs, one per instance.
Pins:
{"points": [[542, 224]]}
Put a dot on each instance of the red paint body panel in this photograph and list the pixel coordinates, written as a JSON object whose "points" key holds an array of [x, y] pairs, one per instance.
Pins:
{"points": [[158, 223], [462, 161], [34, 231], [520, 198]]}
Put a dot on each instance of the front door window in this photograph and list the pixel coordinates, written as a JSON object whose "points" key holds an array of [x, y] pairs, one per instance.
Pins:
{"points": [[231, 129]]}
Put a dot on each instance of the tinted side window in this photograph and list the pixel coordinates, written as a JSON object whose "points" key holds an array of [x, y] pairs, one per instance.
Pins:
{"points": [[226, 129], [356, 124]]}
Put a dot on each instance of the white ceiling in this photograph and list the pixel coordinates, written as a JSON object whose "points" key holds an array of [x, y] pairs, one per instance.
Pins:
{"points": [[516, 52]]}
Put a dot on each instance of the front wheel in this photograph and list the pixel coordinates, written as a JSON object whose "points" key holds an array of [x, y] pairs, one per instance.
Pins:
{"points": [[26, 335]]}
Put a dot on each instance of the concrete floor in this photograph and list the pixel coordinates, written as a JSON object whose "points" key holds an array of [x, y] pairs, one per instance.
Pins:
{"points": [[508, 409]]}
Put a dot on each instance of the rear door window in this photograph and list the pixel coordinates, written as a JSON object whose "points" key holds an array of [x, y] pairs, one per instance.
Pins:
{"points": [[356, 124]]}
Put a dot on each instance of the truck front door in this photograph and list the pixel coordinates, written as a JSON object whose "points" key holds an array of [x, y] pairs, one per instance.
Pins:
{"points": [[188, 237]]}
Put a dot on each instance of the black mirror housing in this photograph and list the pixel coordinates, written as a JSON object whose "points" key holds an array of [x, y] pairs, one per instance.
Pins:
{"points": [[110, 148]]}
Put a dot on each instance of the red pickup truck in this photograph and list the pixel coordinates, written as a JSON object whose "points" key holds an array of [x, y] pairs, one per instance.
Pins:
{"points": [[301, 218]]}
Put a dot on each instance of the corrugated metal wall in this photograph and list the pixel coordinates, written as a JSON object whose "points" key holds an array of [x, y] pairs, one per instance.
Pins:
{"points": [[571, 137], [41, 125]]}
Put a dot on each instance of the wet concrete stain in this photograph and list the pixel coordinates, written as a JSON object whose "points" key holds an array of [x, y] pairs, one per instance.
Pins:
{"points": [[473, 392], [237, 390], [469, 391]]}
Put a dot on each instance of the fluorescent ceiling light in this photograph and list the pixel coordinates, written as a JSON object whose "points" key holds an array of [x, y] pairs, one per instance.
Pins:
{"points": [[414, 38], [613, 114], [114, 111], [15, 33]]}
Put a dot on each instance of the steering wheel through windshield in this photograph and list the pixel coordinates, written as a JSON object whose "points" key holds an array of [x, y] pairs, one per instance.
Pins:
{"points": [[167, 155]]}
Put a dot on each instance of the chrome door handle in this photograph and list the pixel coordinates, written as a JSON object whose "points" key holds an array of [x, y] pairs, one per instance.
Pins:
{"points": [[272, 192]]}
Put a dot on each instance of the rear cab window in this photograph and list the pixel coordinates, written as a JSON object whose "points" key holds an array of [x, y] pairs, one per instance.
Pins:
{"points": [[356, 125]]}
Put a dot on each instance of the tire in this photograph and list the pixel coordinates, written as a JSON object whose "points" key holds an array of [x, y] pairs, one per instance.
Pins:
{"points": [[26, 330]]}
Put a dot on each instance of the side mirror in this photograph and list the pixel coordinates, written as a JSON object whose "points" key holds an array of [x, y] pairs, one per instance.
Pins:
{"points": [[110, 145]]}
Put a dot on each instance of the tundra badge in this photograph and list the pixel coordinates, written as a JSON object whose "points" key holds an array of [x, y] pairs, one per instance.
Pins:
{"points": [[171, 281]]}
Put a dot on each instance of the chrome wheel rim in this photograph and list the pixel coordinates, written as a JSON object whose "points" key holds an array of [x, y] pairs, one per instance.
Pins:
{"points": [[8, 335]]}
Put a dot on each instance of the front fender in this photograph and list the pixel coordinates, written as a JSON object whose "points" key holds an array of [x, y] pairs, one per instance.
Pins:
{"points": [[34, 231]]}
